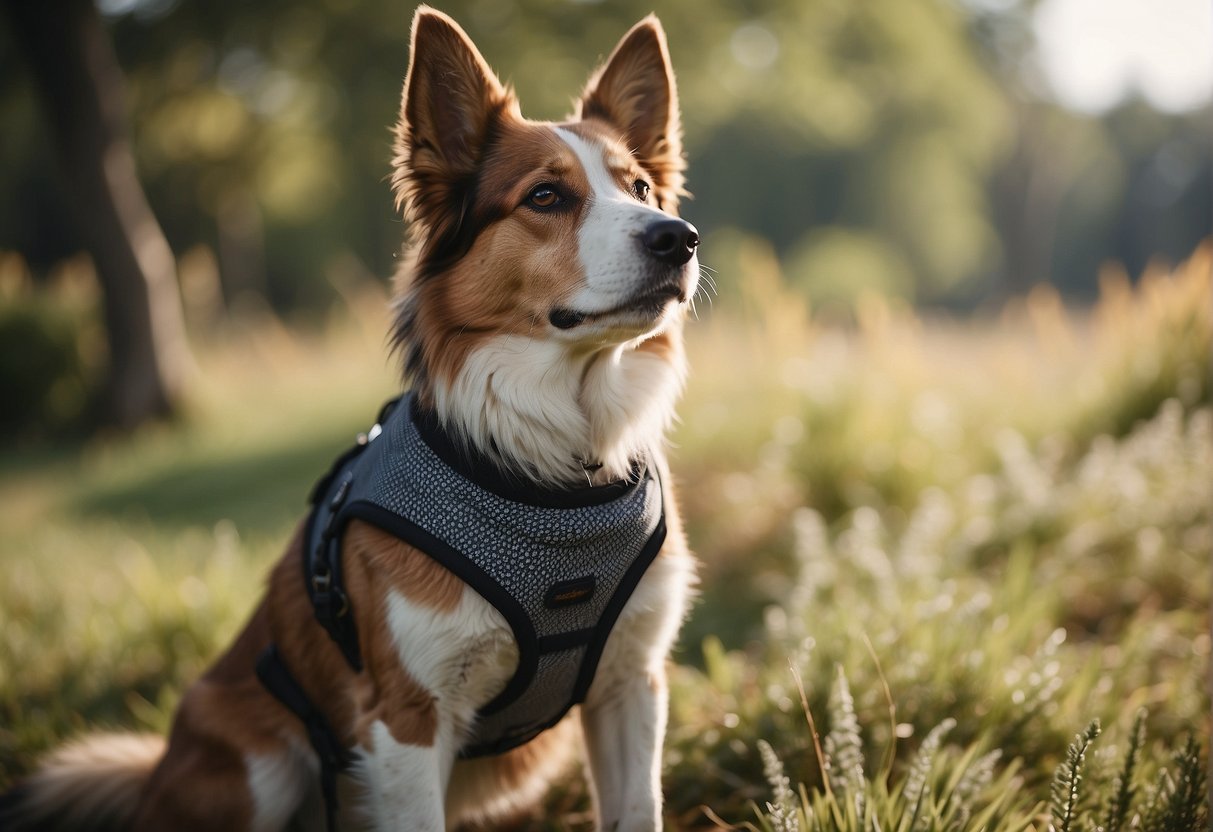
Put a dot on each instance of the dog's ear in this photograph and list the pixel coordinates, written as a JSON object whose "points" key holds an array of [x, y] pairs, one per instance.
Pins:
{"points": [[450, 104], [634, 91]]}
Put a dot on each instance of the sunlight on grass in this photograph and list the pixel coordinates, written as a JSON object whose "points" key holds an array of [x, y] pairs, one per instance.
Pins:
{"points": [[1003, 526], [965, 540]]}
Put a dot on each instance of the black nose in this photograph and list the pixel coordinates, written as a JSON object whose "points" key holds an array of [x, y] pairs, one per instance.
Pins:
{"points": [[671, 241]]}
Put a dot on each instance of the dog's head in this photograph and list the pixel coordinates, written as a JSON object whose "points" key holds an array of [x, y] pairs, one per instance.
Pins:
{"points": [[566, 233]]}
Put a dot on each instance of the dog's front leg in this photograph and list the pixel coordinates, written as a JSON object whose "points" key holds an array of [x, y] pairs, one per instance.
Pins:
{"points": [[624, 726], [406, 783]]}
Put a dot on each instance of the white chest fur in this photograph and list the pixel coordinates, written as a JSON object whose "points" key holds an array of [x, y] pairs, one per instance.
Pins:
{"points": [[463, 657]]}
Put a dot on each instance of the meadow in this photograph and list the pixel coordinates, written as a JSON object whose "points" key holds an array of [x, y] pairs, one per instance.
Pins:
{"points": [[955, 573]]}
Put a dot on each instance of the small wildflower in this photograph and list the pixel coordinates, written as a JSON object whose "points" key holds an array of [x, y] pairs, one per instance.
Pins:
{"points": [[920, 769], [843, 745], [782, 810], [973, 782], [1067, 781], [1122, 787]]}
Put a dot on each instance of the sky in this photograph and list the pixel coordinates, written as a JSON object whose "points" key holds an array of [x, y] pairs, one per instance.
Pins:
{"points": [[1095, 53]]}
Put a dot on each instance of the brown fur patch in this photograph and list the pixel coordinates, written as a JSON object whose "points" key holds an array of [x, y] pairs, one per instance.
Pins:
{"points": [[411, 572], [385, 692], [520, 263]]}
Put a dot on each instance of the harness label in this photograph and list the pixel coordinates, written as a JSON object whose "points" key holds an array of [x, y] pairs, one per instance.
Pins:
{"points": [[568, 593]]}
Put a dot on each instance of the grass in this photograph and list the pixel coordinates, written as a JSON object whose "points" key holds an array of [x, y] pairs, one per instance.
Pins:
{"points": [[933, 552]]}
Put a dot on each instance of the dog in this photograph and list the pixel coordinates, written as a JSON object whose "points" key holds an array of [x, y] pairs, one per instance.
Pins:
{"points": [[499, 565]]}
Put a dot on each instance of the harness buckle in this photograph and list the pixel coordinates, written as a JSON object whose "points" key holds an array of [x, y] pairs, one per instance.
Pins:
{"points": [[321, 581], [325, 594]]}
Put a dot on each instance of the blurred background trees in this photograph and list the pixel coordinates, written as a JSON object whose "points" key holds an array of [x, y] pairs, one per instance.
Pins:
{"points": [[908, 148], [81, 88]]}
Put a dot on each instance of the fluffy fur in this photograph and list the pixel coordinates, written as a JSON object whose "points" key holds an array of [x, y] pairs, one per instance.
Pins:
{"points": [[540, 317]]}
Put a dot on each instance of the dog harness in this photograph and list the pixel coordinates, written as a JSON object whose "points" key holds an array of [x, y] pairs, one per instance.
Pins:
{"points": [[559, 565]]}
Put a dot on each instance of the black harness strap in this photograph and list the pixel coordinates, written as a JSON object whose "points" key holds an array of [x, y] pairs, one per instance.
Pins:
{"points": [[334, 758], [322, 572], [326, 585]]}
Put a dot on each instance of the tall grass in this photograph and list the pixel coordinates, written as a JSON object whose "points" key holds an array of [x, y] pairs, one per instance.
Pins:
{"points": [[996, 557], [932, 552]]}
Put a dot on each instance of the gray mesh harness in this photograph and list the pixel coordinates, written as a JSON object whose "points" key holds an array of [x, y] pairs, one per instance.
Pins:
{"points": [[558, 565]]}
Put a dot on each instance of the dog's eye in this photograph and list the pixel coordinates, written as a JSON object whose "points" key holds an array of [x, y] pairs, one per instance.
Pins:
{"points": [[641, 189], [543, 196]]}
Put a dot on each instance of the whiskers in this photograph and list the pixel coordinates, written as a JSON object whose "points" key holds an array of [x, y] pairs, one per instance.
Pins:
{"points": [[707, 279]]}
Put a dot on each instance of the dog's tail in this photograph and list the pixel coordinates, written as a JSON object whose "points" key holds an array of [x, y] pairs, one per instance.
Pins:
{"points": [[90, 785]]}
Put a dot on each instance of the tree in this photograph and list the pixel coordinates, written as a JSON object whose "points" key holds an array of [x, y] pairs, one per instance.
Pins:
{"points": [[80, 86]]}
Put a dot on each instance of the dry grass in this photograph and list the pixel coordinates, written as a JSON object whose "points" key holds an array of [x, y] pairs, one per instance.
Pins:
{"points": [[1001, 526]]}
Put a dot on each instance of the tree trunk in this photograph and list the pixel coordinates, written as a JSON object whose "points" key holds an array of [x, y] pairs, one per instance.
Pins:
{"points": [[82, 92]]}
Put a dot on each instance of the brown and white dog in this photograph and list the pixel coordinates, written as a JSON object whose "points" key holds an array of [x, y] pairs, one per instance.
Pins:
{"points": [[540, 315]]}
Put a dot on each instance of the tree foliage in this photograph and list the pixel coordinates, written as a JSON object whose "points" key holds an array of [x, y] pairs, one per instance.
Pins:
{"points": [[883, 145]]}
